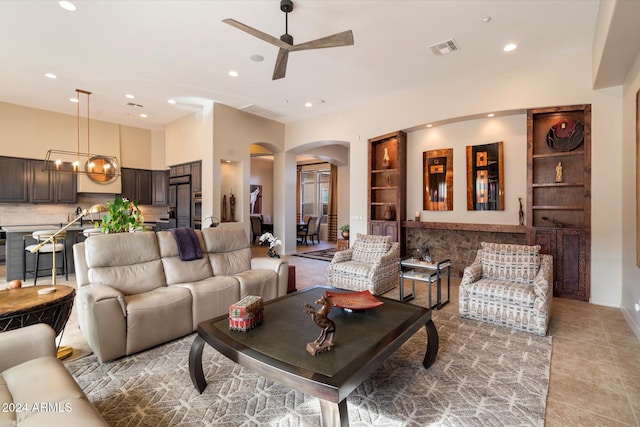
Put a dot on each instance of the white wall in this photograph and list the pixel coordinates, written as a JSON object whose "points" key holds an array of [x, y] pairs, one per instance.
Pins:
{"points": [[630, 187], [511, 130], [262, 174], [567, 82]]}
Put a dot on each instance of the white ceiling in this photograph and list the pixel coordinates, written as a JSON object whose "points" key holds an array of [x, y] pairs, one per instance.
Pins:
{"points": [[157, 50]]}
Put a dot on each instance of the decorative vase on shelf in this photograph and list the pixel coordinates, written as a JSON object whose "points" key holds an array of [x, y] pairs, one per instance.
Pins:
{"points": [[388, 214], [345, 235], [386, 161]]}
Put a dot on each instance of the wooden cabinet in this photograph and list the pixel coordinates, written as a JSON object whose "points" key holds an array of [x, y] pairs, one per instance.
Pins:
{"points": [[14, 176], [137, 185], [144, 186], [196, 176], [559, 193], [51, 187], [387, 186], [160, 187], [128, 178]]}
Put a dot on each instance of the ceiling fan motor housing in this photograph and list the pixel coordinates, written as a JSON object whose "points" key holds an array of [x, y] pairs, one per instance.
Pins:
{"points": [[286, 6]]}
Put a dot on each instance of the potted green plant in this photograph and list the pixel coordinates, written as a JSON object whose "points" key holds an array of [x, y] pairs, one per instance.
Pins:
{"points": [[122, 216], [345, 231]]}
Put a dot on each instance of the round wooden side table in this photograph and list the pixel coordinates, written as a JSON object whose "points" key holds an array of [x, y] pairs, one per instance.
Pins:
{"points": [[26, 306]]}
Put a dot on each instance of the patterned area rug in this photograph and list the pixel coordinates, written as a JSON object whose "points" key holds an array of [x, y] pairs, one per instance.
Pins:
{"points": [[484, 376], [323, 255]]}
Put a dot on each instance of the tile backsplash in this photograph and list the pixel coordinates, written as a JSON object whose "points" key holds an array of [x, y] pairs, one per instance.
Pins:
{"points": [[32, 213]]}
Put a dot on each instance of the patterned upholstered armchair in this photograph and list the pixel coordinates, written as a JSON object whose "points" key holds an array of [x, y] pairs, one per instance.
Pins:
{"points": [[509, 285], [370, 264]]}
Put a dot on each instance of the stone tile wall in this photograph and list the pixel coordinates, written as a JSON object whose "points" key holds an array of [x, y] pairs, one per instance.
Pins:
{"points": [[460, 246]]}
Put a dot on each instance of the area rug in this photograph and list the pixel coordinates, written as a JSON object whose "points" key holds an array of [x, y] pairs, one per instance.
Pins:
{"points": [[483, 376], [323, 255]]}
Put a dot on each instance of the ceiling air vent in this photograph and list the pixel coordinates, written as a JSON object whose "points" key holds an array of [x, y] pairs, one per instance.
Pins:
{"points": [[259, 111], [133, 104], [445, 47]]}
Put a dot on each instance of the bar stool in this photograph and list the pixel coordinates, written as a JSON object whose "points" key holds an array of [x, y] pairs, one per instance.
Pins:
{"points": [[49, 248]]}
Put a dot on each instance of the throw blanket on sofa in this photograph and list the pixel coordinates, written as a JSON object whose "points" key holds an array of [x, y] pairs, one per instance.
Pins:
{"points": [[188, 245]]}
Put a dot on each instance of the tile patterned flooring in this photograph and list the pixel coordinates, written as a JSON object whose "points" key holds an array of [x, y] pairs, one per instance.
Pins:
{"points": [[595, 364]]}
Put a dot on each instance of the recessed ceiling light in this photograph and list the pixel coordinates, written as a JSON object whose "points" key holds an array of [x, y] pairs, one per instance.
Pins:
{"points": [[233, 73], [510, 47], [67, 5], [490, 115], [429, 125], [73, 99], [308, 104], [486, 19], [257, 58], [51, 76], [171, 101], [129, 96], [143, 115]]}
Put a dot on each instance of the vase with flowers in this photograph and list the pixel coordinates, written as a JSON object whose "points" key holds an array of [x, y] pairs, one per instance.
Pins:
{"points": [[273, 243], [122, 216]]}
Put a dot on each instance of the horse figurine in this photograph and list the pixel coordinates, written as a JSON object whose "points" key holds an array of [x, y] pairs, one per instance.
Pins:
{"points": [[324, 342]]}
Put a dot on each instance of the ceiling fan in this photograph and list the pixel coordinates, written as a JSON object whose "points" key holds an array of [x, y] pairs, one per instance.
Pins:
{"points": [[285, 42]]}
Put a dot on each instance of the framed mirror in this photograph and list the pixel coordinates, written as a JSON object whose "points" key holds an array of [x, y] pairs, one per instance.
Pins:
{"points": [[485, 177], [437, 180]]}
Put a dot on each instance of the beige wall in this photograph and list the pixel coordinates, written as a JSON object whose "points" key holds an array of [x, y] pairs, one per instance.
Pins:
{"points": [[567, 82], [629, 198]]}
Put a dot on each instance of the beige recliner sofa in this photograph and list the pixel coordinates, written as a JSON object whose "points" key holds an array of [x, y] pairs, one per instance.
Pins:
{"points": [[134, 291], [35, 387]]}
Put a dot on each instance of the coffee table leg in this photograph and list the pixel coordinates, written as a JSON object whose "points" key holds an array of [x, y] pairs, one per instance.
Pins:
{"points": [[334, 414], [195, 364], [432, 344]]}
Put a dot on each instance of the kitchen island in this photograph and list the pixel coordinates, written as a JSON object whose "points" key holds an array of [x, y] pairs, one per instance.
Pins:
{"points": [[19, 235]]}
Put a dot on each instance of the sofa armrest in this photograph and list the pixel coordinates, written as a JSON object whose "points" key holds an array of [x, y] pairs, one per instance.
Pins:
{"points": [[31, 342], [280, 266], [342, 256], [544, 278], [102, 317], [390, 258], [472, 273]]}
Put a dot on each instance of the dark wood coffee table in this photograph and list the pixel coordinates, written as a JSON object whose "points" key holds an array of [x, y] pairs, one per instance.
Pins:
{"points": [[276, 349]]}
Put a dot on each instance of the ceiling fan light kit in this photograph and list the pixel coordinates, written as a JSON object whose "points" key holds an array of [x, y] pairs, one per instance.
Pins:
{"points": [[285, 42]]}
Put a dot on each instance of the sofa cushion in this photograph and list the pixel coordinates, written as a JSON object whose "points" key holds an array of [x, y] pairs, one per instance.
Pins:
{"points": [[39, 381], [178, 271], [368, 248], [516, 263], [258, 282], [212, 297], [128, 262], [157, 316], [502, 291]]}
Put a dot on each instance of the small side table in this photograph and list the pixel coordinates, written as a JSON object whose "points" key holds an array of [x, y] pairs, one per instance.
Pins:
{"points": [[25, 306], [342, 244], [423, 271]]}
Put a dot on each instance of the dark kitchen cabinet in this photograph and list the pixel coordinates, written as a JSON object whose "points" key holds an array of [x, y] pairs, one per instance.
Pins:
{"points": [[137, 185], [196, 176], [14, 176], [144, 186], [49, 186], [160, 187]]}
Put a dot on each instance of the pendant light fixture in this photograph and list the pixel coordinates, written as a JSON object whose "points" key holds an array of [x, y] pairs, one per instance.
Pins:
{"points": [[99, 168]]}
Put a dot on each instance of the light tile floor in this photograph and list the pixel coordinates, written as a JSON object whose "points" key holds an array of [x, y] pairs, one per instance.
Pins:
{"points": [[595, 364]]}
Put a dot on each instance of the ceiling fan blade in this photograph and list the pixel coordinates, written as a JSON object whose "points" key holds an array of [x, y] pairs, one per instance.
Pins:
{"points": [[281, 64], [257, 33], [344, 38]]}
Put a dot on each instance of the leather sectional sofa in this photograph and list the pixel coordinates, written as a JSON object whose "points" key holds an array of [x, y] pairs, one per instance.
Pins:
{"points": [[134, 291], [35, 387]]}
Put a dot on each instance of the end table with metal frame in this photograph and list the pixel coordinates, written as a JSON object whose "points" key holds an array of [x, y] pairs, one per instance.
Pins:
{"points": [[428, 272]]}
